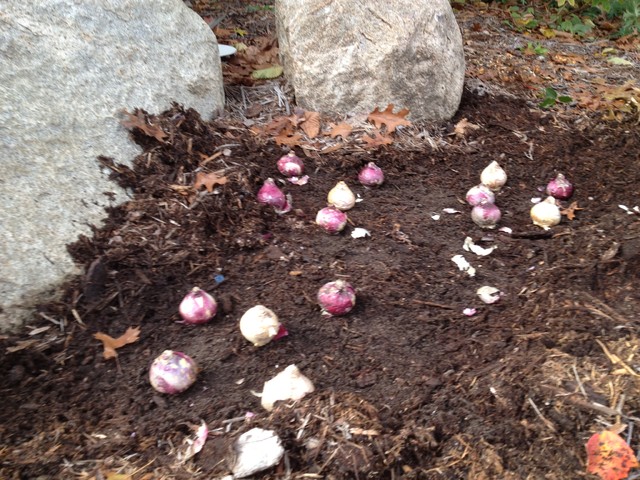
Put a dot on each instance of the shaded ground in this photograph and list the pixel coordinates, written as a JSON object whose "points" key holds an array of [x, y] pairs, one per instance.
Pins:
{"points": [[407, 386]]}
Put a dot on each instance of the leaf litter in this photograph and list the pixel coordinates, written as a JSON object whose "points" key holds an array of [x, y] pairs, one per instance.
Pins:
{"points": [[111, 344]]}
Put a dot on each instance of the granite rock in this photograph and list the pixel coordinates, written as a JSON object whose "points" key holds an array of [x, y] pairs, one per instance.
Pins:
{"points": [[67, 70], [350, 56]]}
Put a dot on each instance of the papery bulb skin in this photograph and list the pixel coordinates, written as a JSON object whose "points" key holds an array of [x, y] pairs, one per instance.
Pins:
{"points": [[546, 214], [336, 298], [341, 197], [486, 215], [197, 307], [493, 176], [172, 372], [290, 384], [371, 175], [331, 220], [270, 194], [282, 332], [288, 205], [560, 188], [260, 325], [290, 165], [478, 194]]}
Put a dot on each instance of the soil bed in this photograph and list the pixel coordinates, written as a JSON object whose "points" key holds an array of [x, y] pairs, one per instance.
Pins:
{"points": [[407, 386]]}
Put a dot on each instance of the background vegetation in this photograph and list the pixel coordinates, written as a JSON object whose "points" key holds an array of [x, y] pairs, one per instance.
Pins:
{"points": [[584, 18]]}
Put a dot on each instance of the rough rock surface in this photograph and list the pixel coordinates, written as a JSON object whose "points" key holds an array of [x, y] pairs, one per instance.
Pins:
{"points": [[67, 69], [346, 56]]}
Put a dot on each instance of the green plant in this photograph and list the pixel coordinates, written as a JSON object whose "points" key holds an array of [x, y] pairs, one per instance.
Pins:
{"points": [[534, 49], [630, 18], [259, 8], [576, 25], [578, 17], [523, 19], [551, 98]]}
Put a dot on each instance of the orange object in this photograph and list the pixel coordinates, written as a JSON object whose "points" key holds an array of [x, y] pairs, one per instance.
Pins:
{"points": [[609, 456]]}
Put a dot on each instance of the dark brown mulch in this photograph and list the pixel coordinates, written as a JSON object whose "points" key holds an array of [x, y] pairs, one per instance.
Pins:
{"points": [[406, 385], [445, 395]]}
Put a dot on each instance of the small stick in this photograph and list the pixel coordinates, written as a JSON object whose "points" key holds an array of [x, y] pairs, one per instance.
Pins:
{"points": [[611, 313], [580, 402], [580, 386], [433, 304], [217, 21], [59, 323], [614, 359], [621, 402], [287, 466], [546, 422], [464, 454], [302, 427], [234, 419], [76, 315], [532, 235]]}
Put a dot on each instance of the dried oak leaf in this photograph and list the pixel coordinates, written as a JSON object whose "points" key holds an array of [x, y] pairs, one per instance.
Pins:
{"points": [[288, 140], [388, 118], [138, 120], [184, 190], [296, 117], [341, 130], [111, 344], [570, 211], [278, 125], [377, 139], [221, 32], [208, 180], [463, 126], [311, 124], [609, 456]]}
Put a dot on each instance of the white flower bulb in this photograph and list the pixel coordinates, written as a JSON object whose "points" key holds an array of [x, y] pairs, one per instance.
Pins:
{"points": [[341, 196], [259, 325], [546, 214], [493, 176]]}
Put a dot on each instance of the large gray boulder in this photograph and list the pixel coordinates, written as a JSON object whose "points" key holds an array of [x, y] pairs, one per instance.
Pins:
{"points": [[66, 70], [345, 56]]}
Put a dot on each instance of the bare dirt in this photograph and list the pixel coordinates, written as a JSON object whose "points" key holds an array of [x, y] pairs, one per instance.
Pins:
{"points": [[407, 386]]}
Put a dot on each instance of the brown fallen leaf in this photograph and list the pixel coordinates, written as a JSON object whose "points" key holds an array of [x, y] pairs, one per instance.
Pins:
{"points": [[377, 139], [184, 190], [208, 158], [21, 345], [311, 124], [461, 128], [341, 130], [278, 124], [208, 180], [388, 118], [221, 32], [288, 140], [567, 59], [296, 117], [569, 212], [139, 121], [111, 344]]}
